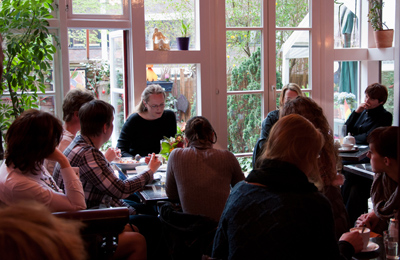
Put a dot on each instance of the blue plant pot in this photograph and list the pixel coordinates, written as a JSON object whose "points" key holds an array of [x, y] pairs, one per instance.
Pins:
{"points": [[167, 85]]}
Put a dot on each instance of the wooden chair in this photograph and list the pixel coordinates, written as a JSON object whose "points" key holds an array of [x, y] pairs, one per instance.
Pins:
{"points": [[101, 230]]}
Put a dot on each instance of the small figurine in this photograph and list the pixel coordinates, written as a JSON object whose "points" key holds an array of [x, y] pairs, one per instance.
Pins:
{"points": [[160, 42]]}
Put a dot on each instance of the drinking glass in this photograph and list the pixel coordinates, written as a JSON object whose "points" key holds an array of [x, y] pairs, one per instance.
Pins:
{"points": [[391, 246]]}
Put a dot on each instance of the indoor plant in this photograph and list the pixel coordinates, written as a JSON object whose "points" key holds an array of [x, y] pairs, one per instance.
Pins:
{"points": [[183, 41], [28, 55], [383, 38]]}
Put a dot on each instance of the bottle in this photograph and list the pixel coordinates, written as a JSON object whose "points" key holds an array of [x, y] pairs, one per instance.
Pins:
{"points": [[394, 228]]}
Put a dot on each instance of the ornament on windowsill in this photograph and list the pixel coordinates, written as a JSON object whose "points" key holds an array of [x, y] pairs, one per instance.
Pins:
{"points": [[160, 42], [150, 74], [103, 91]]}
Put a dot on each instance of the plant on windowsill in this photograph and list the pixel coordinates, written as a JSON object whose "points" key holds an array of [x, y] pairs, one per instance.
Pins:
{"points": [[183, 41], [28, 56], [383, 37]]}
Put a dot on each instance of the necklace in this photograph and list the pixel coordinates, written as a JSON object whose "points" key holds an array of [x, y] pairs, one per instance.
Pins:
{"points": [[49, 182]]}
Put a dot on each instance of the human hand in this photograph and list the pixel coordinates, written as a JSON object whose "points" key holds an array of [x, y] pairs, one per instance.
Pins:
{"points": [[59, 157], [369, 219], [362, 107], [154, 162], [147, 159], [112, 153], [355, 239]]}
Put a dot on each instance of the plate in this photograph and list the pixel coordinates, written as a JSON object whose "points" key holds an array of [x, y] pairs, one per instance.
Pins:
{"points": [[371, 247], [127, 163], [352, 150]]}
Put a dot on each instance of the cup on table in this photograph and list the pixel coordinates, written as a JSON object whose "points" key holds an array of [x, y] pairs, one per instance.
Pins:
{"points": [[391, 245], [364, 235]]}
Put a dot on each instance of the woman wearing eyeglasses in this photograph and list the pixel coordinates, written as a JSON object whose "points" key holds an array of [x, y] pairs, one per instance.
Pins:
{"points": [[143, 130]]}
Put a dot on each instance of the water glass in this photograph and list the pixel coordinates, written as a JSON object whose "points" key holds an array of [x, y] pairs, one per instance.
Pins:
{"points": [[391, 246]]}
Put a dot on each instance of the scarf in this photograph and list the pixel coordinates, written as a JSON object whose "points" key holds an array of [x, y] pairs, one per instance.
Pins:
{"points": [[281, 176], [384, 196]]}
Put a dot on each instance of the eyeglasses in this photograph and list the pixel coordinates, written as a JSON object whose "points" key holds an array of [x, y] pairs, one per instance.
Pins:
{"points": [[156, 106]]}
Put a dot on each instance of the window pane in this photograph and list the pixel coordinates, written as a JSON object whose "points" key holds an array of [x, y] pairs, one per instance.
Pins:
{"points": [[292, 13], [387, 78], [167, 17], [108, 7], [244, 122], [347, 24], [180, 84], [97, 64], [245, 13], [292, 61], [345, 98], [243, 60], [47, 104]]}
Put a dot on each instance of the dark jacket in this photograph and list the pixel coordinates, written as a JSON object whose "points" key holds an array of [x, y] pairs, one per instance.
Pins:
{"points": [[361, 124], [266, 125], [285, 219]]}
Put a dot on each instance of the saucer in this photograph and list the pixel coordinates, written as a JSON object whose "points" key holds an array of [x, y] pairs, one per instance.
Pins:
{"points": [[371, 247]]}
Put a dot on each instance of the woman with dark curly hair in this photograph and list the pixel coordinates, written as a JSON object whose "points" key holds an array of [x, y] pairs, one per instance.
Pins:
{"points": [[329, 158]]}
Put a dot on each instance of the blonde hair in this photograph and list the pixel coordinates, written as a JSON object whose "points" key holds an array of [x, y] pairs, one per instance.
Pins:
{"points": [[149, 90], [30, 231], [290, 86], [307, 107], [294, 139]]}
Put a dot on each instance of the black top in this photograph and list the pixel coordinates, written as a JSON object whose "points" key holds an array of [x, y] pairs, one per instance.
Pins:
{"points": [[141, 136], [361, 124], [267, 124], [285, 219]]}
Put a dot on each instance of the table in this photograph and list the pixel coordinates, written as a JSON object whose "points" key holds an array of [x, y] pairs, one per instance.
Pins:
{"points": [[362, 169], [379, 254], [153, 192], [355, 156]]}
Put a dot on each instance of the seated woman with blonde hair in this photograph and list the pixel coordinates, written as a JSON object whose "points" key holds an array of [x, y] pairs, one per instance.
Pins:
{"points": [[277, 212], [328, 158]]}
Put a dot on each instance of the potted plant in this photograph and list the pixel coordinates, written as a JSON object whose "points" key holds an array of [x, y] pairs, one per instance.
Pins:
{"points": [[383, 38], [183, 42]]}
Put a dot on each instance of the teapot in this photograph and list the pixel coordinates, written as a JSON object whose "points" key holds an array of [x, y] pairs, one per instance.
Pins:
{"points": [[349, 139]]}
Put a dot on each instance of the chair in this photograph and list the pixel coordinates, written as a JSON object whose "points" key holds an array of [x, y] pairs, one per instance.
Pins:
{"points": [[188, 236], [101, 230]]}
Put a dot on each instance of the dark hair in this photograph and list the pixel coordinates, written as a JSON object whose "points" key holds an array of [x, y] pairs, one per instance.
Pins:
{"points": [[94, 115], [307, 108], [32, 137], [377, 91], [73, 101], [198, 128], [385, 141]]}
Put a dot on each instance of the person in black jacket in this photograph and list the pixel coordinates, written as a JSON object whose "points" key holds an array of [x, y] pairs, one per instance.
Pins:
{"points": [[370, 114], [277, 212], [367, 117], [289, 92]]}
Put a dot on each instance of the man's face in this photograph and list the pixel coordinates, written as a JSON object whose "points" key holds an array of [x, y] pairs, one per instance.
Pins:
{"points": [[377, 161], [371, 103]]}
